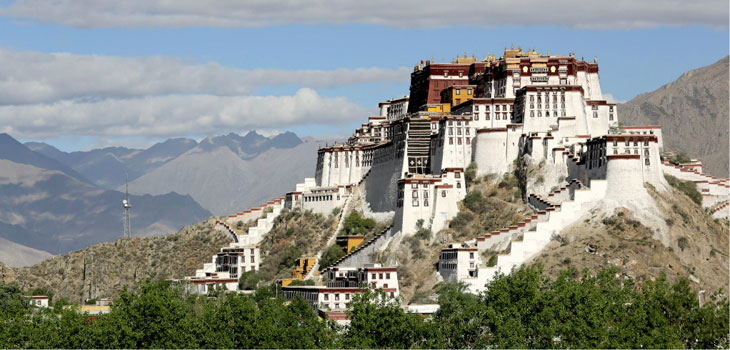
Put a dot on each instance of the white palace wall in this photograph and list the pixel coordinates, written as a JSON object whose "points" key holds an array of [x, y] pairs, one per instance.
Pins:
{"points": [[340, 165], [624, 176], [381, 184], [431, 198]]}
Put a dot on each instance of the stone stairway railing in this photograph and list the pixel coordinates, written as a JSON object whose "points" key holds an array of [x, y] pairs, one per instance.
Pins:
{"points": [[717, 210], [346, 207], [564, 192], [254, 213], [264, 224], [223, 227], [364, 177], [555, 197]]}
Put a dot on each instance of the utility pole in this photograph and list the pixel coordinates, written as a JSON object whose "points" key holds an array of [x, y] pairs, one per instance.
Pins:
{"points": [[127, 205]]}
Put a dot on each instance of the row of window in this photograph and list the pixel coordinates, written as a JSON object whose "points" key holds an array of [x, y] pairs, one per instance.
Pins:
{"points": [[459, 140], [458, 123], [337, 296], [547, 105], [547, 97], [458, 131], [628, 142], [547, 114], [318, 198], [415, 201], [448, 266], [497, 108]]}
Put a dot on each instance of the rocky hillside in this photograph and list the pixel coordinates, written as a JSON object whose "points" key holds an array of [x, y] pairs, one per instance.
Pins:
{"points": [[105, 269], [693, 113], [698, 245]]}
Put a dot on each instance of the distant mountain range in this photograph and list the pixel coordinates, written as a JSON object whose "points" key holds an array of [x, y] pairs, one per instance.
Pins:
{"points": [[49, 207], [225, 174], [53, 202], [693, 114]]}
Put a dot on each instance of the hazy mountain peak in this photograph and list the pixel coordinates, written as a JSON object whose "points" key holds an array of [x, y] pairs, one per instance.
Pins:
{"points": [[692, 111], [15, 151]]}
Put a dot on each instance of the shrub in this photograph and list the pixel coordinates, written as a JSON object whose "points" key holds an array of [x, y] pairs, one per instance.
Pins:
{"points": [[302, 283], [689, 188], [330, 256], [679, 158], [492, 261], [473, 200], [461, 219], [291, 254], [470, 174], [355, 224], [416, 249], [424, 234], [419, 224]]}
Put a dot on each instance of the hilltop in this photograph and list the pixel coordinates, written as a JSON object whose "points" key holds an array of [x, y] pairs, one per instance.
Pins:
{"points": [[105, 269]]}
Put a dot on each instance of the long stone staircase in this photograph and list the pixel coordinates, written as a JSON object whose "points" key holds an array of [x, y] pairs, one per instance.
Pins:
{"points": [[263, 225], [529, 237], [264, 222], [314, 271], [346, 207]]}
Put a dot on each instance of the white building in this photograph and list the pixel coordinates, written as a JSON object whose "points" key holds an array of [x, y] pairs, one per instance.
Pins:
{"points": [[343, 283], [39, 300]]}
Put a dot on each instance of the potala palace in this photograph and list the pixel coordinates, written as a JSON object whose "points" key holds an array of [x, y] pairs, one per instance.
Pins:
{"points": [[408, 164]]}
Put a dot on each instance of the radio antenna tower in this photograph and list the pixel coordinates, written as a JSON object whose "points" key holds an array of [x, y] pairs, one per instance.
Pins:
{"points": [[127, 205]]}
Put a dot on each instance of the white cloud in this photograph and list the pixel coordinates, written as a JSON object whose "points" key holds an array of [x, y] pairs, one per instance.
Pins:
{"points": [[34, 77], [616, 14], [175, 115], [611, 99]]}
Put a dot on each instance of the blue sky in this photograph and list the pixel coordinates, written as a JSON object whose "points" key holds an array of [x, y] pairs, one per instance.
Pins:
{"points": [[632, 59]]}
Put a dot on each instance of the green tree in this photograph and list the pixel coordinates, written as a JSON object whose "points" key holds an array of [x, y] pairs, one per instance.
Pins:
{"points": [[330, 256], [378, 321], [355, 224], [679, 159], [470, 174], [474, 201], [249, 280]]}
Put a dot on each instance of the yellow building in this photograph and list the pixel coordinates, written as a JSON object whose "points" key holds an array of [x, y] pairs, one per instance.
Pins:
{"points": [[443, 108], [303, 266], [457, 94], [350, 242]]}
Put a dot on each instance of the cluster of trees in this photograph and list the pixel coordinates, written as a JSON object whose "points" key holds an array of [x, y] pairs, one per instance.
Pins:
{"points": [[525, 309]]}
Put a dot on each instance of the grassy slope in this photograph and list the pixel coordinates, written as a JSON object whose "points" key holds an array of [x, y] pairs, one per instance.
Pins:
{"points": [[104, 269], [417, 258]]}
